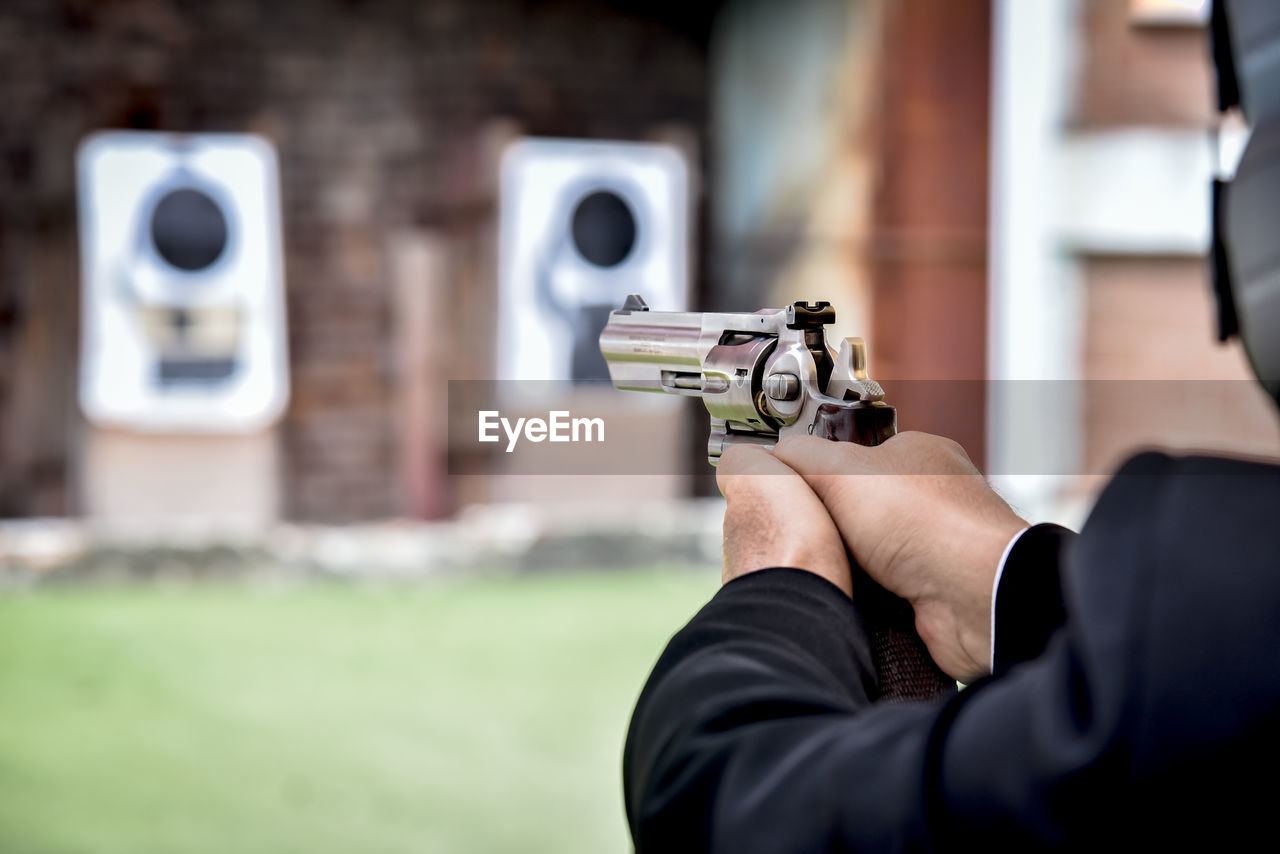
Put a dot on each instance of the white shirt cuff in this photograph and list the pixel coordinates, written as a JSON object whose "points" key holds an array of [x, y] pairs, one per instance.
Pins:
{"points": [[991, 662]]}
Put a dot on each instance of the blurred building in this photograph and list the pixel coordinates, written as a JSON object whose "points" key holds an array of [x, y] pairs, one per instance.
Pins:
{"points": [[1103, 321]]}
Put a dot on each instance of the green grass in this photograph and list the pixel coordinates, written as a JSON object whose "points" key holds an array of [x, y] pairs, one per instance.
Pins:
{"points": [[483, 716]]}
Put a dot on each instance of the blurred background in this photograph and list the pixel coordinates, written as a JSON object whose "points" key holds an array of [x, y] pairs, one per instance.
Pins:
{"points": [[258, 595]]}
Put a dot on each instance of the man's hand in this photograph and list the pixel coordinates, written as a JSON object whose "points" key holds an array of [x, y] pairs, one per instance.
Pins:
{"points": [[922, 521], [774, 519]]}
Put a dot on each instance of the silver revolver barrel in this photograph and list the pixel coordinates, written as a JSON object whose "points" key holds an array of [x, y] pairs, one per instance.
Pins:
{"points": [[761, 375]]}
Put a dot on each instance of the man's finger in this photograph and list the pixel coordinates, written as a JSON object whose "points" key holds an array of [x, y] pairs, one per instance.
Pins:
{"points": [[740, 461], [811, 455], [822, 463], [772, 518]]}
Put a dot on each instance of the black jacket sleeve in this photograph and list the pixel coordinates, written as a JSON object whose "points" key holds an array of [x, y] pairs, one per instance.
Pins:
{"points": [[1144, 717], [1028, 601]]}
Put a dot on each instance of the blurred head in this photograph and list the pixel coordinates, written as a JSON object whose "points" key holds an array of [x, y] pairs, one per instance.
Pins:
{"points": [[1246, 209]]}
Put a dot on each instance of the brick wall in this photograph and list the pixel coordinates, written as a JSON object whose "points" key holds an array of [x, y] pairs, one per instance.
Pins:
{"points": [[1159, 378], [1131, 74], [381, 112]]}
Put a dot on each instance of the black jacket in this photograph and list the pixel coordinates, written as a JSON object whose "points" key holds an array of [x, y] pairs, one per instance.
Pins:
{"points": [[1136, 698]]}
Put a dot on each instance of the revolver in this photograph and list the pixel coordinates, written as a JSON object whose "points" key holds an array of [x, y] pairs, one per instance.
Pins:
{"points": [[763, 376]]}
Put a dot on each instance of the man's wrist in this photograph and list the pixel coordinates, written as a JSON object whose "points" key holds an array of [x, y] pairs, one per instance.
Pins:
{"points": [[957, 624]]}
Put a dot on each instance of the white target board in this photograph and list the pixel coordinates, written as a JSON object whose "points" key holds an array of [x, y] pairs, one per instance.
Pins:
{"points": [[584, 224], [183, 315]]}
